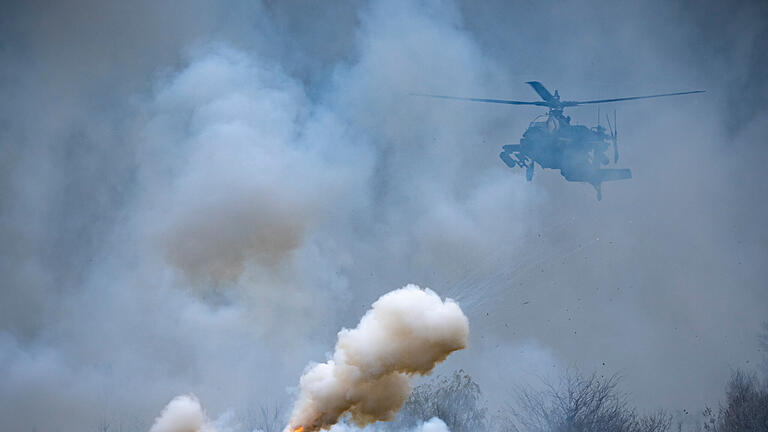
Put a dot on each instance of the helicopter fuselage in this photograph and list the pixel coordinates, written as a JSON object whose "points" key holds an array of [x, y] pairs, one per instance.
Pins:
{"points": [[579, 152]]}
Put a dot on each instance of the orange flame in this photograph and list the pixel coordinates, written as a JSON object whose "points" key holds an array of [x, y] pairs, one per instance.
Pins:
{"points": [[299, 429]]}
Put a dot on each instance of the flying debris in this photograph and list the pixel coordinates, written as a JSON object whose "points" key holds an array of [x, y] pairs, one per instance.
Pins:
{"points": [[551, 141]]}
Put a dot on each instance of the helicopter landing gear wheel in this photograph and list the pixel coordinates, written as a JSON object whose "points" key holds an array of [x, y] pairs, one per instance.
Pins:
{"points": [[599, 190]]}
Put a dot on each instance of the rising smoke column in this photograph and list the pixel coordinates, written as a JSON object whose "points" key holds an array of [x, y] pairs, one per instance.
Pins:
{"points": [[182, 414], [406, 332]]}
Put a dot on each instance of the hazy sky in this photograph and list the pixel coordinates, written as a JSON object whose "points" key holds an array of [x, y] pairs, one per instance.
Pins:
{"points": [[196, 196]]}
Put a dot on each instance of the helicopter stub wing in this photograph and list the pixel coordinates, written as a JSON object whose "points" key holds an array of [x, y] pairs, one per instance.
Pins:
{"points": [[498, 101]]}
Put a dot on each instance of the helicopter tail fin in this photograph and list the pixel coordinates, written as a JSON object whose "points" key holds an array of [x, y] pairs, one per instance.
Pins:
{"points": [[615, 174]]}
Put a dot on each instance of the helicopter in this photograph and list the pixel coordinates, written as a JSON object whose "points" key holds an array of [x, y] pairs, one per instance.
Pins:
{"points": [[551, 141]]}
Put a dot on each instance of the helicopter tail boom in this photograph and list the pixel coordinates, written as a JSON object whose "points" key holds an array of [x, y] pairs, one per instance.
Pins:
{"points": [[597, 176], [614, 174]]}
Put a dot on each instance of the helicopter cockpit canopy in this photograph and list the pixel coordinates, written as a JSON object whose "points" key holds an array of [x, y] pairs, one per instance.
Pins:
{"points": [[540, 121]]}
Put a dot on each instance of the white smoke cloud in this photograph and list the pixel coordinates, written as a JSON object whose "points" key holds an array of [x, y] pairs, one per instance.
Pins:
{"points": [[246, 190], [182, 414], [433, 425], [240, 174], [247, 185], [406, 332]]}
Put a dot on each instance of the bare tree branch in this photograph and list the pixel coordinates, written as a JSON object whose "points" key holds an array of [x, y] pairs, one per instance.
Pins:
{"points": [[581, 404]]}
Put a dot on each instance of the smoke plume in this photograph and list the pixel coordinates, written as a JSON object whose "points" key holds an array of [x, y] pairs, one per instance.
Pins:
{"points": [[406, 332], [433, 425], [182, 414], [175, 180]]}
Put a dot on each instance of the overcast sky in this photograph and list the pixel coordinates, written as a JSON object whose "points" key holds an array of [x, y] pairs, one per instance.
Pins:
{"points": [[196, 196]]}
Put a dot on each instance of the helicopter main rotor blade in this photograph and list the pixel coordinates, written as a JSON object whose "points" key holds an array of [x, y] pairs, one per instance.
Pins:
{"points": [[541, 90], [498, 101], [575, 103]]}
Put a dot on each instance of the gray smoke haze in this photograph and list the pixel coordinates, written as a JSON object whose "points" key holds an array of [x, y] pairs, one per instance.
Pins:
{"points": [[195, 197]]}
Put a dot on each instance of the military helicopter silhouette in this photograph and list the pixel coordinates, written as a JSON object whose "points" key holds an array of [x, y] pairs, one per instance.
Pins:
{"points": [[579, 152]]}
